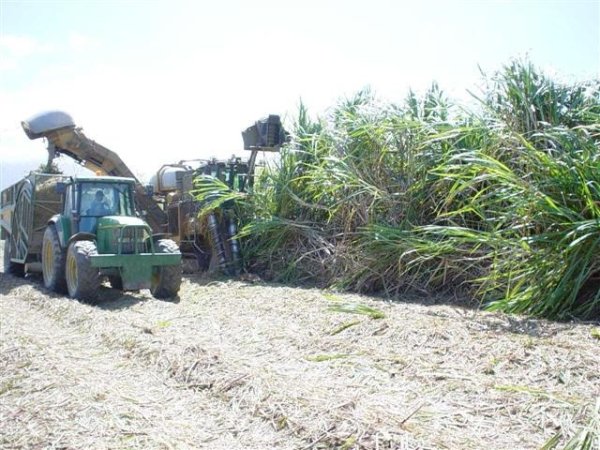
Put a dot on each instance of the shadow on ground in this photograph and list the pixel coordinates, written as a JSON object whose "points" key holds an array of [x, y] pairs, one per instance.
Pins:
{"points": [[458, 307], [111, 299]]}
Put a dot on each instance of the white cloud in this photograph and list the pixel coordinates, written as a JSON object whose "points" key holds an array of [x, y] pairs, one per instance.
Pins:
{"points": [[149, 116], [7, 64], [81, 42], [22, 46], [15, 48]]}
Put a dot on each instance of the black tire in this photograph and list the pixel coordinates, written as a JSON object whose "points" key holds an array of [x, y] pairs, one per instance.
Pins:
{"points": [[10, 267], [166, 280], [83, 280], [53, 261], [116, 282]]}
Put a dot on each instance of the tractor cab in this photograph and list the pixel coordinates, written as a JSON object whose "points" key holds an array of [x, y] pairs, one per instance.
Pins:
{"points": [[89, 199]]}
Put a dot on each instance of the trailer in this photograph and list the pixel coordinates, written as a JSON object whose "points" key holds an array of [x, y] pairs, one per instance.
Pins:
{"points": [[25, 209]]}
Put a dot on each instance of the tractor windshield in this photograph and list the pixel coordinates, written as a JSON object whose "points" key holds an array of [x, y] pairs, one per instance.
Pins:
{"points": [[106, 199]]}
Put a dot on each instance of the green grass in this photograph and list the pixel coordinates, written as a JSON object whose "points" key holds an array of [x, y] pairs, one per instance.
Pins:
{"points": [[535, 393], [322, 358], [356, 308], [344, 327], [586, 438]]}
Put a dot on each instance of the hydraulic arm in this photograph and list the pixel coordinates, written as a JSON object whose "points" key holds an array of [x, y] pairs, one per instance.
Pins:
{"points": [[66, 139]]}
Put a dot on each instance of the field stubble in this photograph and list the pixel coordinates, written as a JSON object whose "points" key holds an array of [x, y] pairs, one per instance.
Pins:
{"points": [[249, 365]]}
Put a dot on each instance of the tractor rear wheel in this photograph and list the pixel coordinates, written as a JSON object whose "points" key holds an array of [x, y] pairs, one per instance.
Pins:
{"points": [[83, 280], [10, 267], [53, 261], [166, 280]]}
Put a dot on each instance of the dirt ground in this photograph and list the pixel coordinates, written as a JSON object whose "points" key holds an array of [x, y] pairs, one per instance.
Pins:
{"points": [[235, 364]]}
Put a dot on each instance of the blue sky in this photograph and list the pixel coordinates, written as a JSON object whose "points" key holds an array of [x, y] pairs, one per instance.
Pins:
{"points": [[160, 81]]}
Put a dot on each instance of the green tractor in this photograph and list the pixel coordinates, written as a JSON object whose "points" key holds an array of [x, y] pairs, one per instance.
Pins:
{"points": [[79, 231]]}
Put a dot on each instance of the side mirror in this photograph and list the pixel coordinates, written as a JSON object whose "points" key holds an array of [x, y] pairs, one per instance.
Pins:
{"points": [[61, 187]]}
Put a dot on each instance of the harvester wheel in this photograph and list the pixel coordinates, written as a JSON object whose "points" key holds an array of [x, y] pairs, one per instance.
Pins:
{"points": [[166, 280], [83, 280], [53, 261], [10, 267]]}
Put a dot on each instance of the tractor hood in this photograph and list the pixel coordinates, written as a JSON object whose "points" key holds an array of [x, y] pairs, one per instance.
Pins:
{"points": [[123, 235]]}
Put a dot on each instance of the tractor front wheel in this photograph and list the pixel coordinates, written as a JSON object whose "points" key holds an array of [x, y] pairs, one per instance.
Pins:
{"points": [[166, 280], [53, 261], [83, 280]]}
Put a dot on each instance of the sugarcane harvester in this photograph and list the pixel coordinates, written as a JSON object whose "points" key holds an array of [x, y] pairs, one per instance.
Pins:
{"points": [[210, 241], [168, 205]]}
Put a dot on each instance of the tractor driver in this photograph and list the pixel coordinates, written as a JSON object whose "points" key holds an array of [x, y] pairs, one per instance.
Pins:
{"points": [[99, 206]]}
